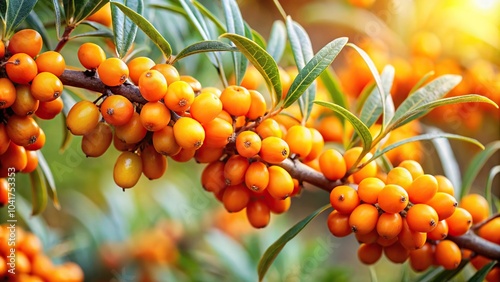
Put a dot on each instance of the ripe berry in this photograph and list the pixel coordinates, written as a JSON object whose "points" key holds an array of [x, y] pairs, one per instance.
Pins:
{"points": [[4, 138], [332, 164], [82, 117], [389, 225], [235, 169], [396, 253], [212, 177], [236, 100], [258, 105], [7, 93], [236, 198], [113, 72], [138, 66], [51, 61], [369, 170], [258, 213], [133, 131], [413, 167], [25, 104], [299, 139], [206, 154], [91, 55], [217, 133], [15, 157], [422, 189], [369, 253], [490, 231], [422, 218], [117, 110], [445, 185], [257, 177], [49, 110], [152, 85], [423, 258], [27, 41], [280, 182], [169, 72], [274, 150], [248, 144], [440, 232], [477, 206], [459, 222], [363, 218], [96, 142], [46, 87], [444, 204], [189, 133], [268, 127], [399, 176], [338, 224], [344, 199], [392, 198], [164, 141], [205, 107], [39, 143], [447, 254], [369, 189], [179, 96], [154, 164], [127, 170], [154, 116], [23, 131], [317, 145], [21, 68]]}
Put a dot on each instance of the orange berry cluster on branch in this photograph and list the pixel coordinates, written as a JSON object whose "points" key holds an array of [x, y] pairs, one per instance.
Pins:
{"points": [[30, 88], [22, 259]]}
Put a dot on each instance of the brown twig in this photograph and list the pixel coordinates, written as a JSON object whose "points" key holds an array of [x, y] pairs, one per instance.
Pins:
{"points": [[477, 244], [303, 173]]}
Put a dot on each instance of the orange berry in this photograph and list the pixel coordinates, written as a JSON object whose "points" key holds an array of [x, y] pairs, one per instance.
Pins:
{"points": [[205, 107], [413, 167], [389, 225], [49, 110], [331, 128], [102, 16], [299, 139], [268, 127], [344, 199], [25, 104], [236, 100], [4, 138], [117, 110], [32, 161], [127, 170], [447, 254], [2, 55], [96, 142], [317, 145], [258, 105], [15, 157], [27, 41], [51, 61], [164, 141], [217, 133], [422, 218], [370, 237], [140, 65], [236, 198], [179, 96], [193, 82], [258, 213], [154, 164], [21, 68], [82, 117], [235, 169], [396, 253], [207, 155], [363, 218], [444, 204], [423, 258], [4, 199], [39, 143], [399, 176], [477, 206], [248, 144], [410, 239], [113, 72], [23, 131], [274, 150], [169, 72], [257, 177], [369, 169], [212, 177], [154, 116], [369, 189], [445, 185], [277, 206], [440, 232], [133, 131], [369, 253], [385, 242], [189, 133], [490, 231], [152, 85], [91, 55], [422, 189], [46, 87], [393, 198], [7, 93], [459, 222], [332, 164], [280, 182]]}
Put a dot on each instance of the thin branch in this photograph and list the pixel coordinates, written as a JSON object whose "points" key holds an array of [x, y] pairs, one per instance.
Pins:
{"points": [[304, 173], [477, 244]]}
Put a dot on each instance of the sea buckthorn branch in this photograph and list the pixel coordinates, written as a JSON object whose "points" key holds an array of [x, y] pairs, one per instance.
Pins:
{"points": [[478, 245], [303, 173]]}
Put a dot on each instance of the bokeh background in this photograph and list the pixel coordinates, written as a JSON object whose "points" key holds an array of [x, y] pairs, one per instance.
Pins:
{"points": [[171, 230]]}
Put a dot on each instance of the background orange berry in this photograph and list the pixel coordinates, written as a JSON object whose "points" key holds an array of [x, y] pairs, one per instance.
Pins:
{"points": [[268, 127], [445, 185], [91, 55], [490, 231], [447, 254], [344, 199], [332, 164], [411, 239], [113, 72], [369, 170], [258, 105], [459, 222], [299, 139], [399, 176], [477, 206], [169, 72], [413, 167], [369, 253], [422, 189]]}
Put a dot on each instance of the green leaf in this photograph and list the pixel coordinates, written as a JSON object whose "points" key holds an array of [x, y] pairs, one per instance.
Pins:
{"points": [[172, 8], [262, 61], [277, 40], [235, 24], [431, 92], [332, 85], [204, 46], [359, 127], [378, 82], [35, 23], [257, 38], [447, 275], [123, 28], [210, 16], [272, 252], [57, 13], [475, 166], [421, 81], [312, 70], [363, 96], [426, 107], [14, 13], [49, 179], [147, 28], [480, 275], [447, 158], [428, 136], [373, 108], [77, 10], [488, 190], [38, 191], [96, 33]]}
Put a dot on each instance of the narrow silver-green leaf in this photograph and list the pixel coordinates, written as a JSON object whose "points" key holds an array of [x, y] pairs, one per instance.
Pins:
{"points": [[475, 166], [332, 85], [480, 275], [57, 13], [373, 108], [428, 136], [210, 16], [426, 107], [38, 191], [236, 25], [14, 13], [95, 33], [489, 183], [359, 127], [313, 69], [170, 7], [257, 38], [77, 10], [447, 158], [124, 28], [272, 252], [49, 179], [147, 28], [262, 61], [204, 46], [277, 40], [447, 275], [421, 81], [431, 92]]}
